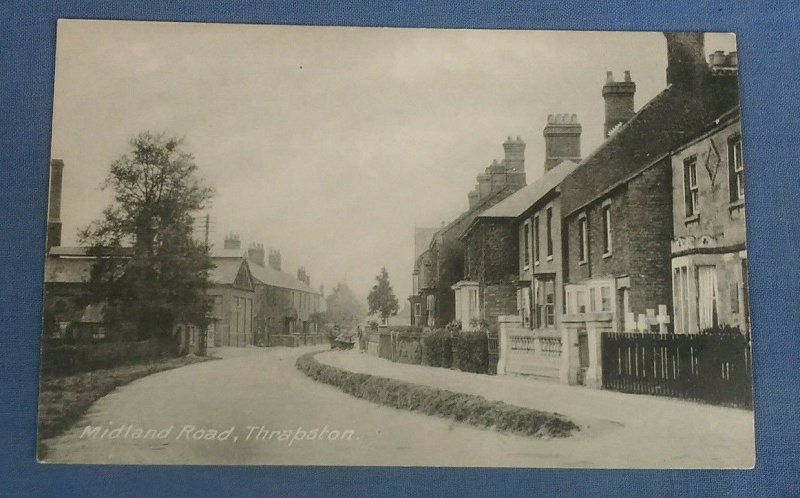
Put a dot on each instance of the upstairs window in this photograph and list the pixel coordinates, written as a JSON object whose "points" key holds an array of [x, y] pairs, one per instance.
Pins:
{"points": [[526, 230], [583, 242], [690, 186], [549, 232], [536, 239], [606, 229], [736, 168]]}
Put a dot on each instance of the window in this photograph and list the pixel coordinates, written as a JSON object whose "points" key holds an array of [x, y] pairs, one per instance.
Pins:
{"points": [[526, 230], [545, 302], [417, 309], [606, 229], [736, 168], [549, 215], [524, 300], [690, 186], [583, 243], [536, 239]]}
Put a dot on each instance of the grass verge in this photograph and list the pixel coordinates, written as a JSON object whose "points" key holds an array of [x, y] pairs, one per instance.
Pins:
{"points": [[468, 408], [62, 400]]}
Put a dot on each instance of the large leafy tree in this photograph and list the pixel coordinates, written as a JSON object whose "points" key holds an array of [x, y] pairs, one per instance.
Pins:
{"points": [[149, 270], [381, 299], [344, 309]]}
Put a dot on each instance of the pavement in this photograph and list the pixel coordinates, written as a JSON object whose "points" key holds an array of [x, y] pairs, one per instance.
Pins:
{"points": [[253, 407], [619, 430]]}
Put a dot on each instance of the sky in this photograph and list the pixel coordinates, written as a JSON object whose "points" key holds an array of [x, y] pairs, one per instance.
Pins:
{"points": [[330, 144]]}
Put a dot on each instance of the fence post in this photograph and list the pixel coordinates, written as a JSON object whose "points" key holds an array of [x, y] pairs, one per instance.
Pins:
{"points": [[594, 330], [505, 322], [570, 360]]}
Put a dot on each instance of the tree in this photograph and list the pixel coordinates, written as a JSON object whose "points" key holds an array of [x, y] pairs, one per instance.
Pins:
{"points": [[381, 298], [343, 307], [149, 270]]}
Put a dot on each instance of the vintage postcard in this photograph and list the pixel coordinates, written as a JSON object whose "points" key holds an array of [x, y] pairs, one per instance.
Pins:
{"points": [[301, 245]]}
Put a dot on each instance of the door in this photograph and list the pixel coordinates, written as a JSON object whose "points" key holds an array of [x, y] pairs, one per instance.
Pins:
{"points": [[707, 297]]}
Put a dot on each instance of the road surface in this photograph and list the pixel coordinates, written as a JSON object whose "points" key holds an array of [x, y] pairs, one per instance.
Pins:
{"points": [[253, 407]]}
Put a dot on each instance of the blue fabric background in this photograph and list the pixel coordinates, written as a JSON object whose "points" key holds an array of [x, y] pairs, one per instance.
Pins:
{"points": [[768, 56]]}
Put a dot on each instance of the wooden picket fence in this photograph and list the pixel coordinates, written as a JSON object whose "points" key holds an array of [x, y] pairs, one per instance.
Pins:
{"points": [[715, 368]]}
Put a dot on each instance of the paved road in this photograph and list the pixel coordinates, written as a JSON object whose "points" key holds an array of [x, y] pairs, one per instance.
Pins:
{"points": [[262, 388], [619, 430]]}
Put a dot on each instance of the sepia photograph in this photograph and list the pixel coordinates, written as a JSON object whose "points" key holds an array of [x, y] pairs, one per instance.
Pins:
{"points": [[414, 247]]}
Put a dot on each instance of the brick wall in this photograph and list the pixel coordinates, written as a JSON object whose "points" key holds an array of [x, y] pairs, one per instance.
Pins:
{"points": [[498, 299], [641, 231]]}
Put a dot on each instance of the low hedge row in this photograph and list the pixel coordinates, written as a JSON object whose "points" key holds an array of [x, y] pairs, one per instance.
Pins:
{"points": [[69, 359], [469, 408]]}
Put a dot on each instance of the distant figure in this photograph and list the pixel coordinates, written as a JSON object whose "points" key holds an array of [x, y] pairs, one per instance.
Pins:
{"points": [[362, 343]]}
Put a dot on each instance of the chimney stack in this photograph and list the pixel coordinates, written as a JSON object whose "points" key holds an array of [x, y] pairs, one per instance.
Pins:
{"points": [[303, 276], [562, 138], [473, 198], [619, 101], [255, 253], [515, 161], [54, 204], [232, 241], [686, 61], [275, 259]]}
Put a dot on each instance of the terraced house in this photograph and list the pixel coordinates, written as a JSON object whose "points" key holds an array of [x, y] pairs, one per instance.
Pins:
{"points": [[441, 265], [709, 254], [513, 249]]}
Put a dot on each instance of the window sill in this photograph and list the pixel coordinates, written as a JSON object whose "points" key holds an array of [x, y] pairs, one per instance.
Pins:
{"points": [[536, 263], [737, 204], [581, 263], [695, 218], [550, 258], [606, 255]]}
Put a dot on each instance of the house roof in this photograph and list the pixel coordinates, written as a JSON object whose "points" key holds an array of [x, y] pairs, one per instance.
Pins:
{"points": [[467, 216], [517, 203], [270, 276], [67, 270], [671, 118], [422, 239], [229, 253], [85, 252], [225, 269]]}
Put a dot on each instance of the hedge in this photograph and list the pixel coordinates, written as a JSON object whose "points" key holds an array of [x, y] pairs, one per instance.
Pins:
{"points": [[469, 408], [64, 359], [472, 349], [437, 348]]}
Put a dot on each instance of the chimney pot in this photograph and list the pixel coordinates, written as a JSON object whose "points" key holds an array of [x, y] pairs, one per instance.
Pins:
{"points": [[627, 75], [609, 77]]}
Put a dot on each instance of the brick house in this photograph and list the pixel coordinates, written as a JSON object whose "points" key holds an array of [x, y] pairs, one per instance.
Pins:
{"points": [[232, 292], [617, 206], [513, 249], [273, 303], [421, 276], [709, 255], [441, 265]]}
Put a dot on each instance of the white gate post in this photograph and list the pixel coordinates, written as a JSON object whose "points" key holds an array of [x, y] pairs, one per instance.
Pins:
{"points": [[505, 322]]}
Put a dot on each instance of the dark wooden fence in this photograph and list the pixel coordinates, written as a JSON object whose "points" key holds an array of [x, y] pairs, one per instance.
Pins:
{"points": [[716, 368]]}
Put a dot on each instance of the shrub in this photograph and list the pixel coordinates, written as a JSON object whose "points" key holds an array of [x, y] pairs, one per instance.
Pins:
{"points": [[437, 347], [70, 359], [472, 349], [469, 408]]}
